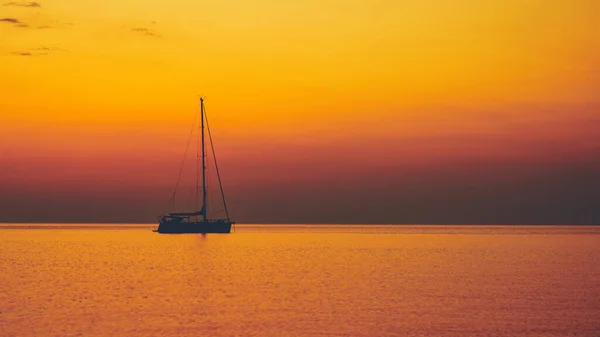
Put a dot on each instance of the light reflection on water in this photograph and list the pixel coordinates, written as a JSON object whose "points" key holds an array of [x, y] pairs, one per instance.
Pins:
{"points": [[300, 280]]}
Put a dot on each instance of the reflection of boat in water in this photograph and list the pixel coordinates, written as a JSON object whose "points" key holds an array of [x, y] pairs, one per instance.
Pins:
{"points": [[198, 221]]}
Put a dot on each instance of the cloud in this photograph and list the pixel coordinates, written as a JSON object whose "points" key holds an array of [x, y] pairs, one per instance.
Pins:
{"points": [[49, 49], [27, 54], [145, 32], [53, 23], [39, 51], [24, 4], [14, 21]]}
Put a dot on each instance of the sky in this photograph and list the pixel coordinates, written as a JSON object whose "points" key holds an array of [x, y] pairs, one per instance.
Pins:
{"points": [[324, 111]]}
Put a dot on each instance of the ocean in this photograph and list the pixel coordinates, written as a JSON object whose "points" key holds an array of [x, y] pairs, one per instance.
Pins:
{"points": [[300, 280]]}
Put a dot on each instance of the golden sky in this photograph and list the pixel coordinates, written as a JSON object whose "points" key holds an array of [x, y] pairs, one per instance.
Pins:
{"points": [[93, 91]]}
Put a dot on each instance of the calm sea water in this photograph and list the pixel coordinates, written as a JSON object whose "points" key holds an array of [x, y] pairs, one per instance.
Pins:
{"points": [[91, 280]]}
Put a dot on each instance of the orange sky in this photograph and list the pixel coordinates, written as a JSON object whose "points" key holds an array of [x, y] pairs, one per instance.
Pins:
{"points": [[99, 96]]}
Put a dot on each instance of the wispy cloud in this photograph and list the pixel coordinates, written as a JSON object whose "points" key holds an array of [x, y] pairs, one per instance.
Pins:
{"points": [[14, 21], [49, 49], [55, 24], [18, 23], [39, 51], [27, 54], [24, 4], [146, 32]]}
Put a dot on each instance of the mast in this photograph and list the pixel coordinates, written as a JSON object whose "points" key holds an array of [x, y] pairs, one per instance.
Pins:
{"points": [[203, 209], [197, 200]]}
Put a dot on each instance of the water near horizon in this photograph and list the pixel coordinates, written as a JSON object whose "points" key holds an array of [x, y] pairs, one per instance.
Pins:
{"points": [[300, 280]]}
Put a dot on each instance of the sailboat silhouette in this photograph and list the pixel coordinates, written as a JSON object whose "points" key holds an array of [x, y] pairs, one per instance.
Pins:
{"points": [[198, 221]]}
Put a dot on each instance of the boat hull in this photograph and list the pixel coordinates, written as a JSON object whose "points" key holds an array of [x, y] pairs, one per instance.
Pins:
{"points": [[195, 227]]}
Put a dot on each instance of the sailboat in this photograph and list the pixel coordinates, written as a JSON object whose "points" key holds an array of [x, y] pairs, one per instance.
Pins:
{"points": [[198, 221]]}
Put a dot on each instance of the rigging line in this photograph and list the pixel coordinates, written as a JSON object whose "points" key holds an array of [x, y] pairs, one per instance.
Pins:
{"points": [[213, 190], [212, 146], [182, 163], [208, 187]]}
